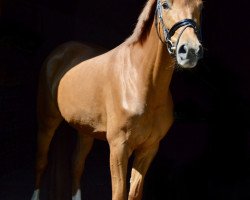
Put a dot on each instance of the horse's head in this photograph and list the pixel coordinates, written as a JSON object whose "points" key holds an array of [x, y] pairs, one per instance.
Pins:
{"points": [[180, 21]]}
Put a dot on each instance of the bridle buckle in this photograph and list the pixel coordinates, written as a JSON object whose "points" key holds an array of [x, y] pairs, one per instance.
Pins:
{"points": [[170, 47]]}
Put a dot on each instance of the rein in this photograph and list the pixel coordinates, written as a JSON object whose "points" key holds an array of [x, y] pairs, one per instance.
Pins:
{"points": [[168, 33]]}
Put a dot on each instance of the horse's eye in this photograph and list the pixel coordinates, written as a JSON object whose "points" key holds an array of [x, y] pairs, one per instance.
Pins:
{"points": [[165, 5]]}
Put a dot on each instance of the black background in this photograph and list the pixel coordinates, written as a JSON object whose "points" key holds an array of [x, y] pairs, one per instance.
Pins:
{"points": [[206, 153]]}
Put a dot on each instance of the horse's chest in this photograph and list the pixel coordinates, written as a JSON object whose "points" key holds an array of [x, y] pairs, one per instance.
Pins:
{"points": [[142, 129], [151, 126]]}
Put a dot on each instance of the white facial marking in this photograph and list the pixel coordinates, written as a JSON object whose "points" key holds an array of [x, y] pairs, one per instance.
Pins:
{"points": [[187, 56], [35, 195], [186, 63], [77, 196]]}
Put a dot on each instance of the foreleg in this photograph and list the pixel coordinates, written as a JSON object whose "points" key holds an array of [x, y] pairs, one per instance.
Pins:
{"points": [[142, 161], [119, 155]]}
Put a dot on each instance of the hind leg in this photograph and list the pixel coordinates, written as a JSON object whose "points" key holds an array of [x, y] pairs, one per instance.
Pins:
{"points": [[45, 134], [83, 147]]}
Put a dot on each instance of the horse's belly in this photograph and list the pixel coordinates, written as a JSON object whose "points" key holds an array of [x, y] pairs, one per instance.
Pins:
{"points": [[82, 113], [80, 117]]}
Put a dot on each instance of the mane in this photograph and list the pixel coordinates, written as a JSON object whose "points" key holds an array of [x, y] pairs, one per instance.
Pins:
{"points": [[143, 23]]}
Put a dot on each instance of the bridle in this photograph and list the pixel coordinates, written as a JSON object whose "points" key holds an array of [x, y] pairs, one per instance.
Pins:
{"points": [[168, 33]]}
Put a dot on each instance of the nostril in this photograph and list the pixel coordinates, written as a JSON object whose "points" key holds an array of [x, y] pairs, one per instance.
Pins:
{"points": [[183, 49], [200, 52]]}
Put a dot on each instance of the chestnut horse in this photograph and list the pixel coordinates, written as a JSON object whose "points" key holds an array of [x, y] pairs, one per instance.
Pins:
{"points": [[122, 95]]}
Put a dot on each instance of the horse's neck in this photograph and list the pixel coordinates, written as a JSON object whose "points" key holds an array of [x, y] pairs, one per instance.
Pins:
{"points": [[156, 63]]}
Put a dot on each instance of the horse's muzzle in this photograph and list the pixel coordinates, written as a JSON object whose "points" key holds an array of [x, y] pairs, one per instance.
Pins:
{"points": [[188, 56]]}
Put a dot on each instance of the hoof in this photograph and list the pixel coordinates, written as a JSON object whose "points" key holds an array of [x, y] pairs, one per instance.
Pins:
{"points": [[77, 196], [35, 195]]}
